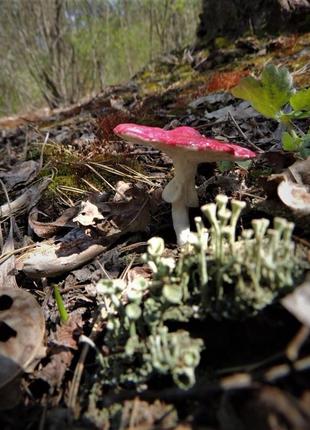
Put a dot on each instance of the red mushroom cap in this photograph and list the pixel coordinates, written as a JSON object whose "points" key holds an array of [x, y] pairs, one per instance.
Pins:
{"points": [[186, 138]]}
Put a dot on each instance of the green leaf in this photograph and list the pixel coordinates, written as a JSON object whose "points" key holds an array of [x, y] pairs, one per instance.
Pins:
{"points": [[245, 164], [224, 166], [295, 114], [300, 101], [268, 94], [289, 142], [304, 152], [305, 145]]}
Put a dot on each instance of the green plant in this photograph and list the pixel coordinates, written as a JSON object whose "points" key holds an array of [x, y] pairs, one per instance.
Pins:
{"points": [[270, 95], [216, 274], [140, 344], [60, 306]]}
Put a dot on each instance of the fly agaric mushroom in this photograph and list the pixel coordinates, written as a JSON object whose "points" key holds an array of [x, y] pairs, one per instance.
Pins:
{"points": [[187, 148]]}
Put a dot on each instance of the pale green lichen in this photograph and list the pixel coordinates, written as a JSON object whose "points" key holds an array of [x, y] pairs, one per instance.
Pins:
{"points": [[135, 328], [215, 274]]}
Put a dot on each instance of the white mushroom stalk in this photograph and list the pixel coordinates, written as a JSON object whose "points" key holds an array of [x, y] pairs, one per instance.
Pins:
{"points": [[181, 193], [187, 148]]}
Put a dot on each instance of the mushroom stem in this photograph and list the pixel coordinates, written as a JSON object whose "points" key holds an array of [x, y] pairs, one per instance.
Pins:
{"points": [[180, 219], [181, 193], [183, 184]]}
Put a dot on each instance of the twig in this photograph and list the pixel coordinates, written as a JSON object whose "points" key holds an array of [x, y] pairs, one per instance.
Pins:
{"points": [[105, 181], [244, 135], [293, 348], [76, 380], [42, 150]]}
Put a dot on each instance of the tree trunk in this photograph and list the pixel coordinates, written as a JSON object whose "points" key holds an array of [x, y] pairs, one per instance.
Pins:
{"points": [[234, 18]]}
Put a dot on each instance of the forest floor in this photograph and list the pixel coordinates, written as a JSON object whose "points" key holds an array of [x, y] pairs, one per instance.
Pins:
{"points": [[253, 372]]}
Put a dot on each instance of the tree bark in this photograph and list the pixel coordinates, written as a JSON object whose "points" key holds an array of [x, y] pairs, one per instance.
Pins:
{"points": [[234, 18]]}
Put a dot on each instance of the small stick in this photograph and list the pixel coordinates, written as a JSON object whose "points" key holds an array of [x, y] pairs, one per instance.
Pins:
{"points": [[76, 380], [243, 134], [293, 348]]}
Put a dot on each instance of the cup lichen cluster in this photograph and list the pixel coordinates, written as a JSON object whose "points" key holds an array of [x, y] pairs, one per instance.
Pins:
{"points": [[138, 341], [216, 274]]}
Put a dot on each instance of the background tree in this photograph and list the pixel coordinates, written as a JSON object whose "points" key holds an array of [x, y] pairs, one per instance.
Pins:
{"points": [[56, 51], [233, 18]]}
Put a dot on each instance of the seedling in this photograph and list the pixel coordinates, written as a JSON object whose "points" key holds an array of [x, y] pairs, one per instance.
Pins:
{"points": [[274, 96], [64, 316]]}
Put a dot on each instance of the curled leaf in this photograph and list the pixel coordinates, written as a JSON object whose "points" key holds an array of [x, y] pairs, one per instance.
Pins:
{"points": [[294, 189]]}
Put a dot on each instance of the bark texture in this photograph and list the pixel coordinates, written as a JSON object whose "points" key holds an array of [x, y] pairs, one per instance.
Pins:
{"points": [[234, 18]]}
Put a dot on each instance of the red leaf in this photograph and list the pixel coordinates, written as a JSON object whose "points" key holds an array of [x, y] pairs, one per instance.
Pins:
{"points": [[226, 80]]}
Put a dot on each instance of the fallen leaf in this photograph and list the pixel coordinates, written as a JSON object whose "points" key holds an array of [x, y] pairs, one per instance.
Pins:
{"points": [[226, 80], [295, 196], [122, 191], [242, 111], [107, 123], [53, 373], [67, 334], [139, 272], [22, 329], [64, 340], [7, 276], [139, 414], [220, 98], [294, 187], [49, 229], [49, 258], [104, 222], [89, 214], [21, 173], [25, 201], [298, 302], [128, 212]]}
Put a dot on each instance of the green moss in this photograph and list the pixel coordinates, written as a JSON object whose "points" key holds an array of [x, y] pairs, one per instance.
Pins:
{"points": [[222, 42], [67, 181]]}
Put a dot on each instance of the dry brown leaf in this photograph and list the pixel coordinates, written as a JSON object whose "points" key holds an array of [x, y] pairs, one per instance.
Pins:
{"points": [[128, 212], [65, 339], [132, 214], [22, 330], [53, 373], [49, 229], [68, 333], [50, 259], [298, 302], [21, 173], [140, 415], [25, 201], [7, 268]]}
